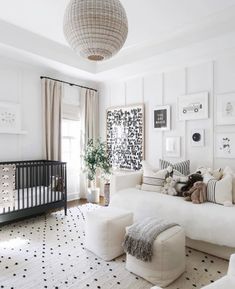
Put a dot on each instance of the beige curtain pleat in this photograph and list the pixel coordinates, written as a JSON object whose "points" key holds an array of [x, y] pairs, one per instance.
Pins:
{"points": [[51, 99], [89, 128]]}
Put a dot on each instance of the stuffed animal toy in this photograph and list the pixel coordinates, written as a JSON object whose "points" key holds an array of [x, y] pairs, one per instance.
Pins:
{"points": [[193, 178], [217, 174], [169, 187], [197, 194], [203, 171]]}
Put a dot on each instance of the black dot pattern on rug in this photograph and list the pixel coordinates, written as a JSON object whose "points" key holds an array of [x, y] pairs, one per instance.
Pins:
{"points": [[48, 252]]}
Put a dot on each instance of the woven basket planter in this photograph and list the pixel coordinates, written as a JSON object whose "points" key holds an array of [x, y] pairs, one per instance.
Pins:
{"points": [[96, 29]]}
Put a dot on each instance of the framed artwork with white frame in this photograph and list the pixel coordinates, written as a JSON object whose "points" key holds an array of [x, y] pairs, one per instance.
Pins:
{"points": [[225, 145], [193, 106], [10, 117], [198, 137], [173, 148], [162, 118], [225, 109]]}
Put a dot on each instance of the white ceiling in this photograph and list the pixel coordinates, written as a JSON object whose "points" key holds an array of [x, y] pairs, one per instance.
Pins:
{"points": [[151, 22]]}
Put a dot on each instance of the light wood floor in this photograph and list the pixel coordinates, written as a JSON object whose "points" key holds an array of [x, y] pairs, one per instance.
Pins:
{"points": [[76, 203]]}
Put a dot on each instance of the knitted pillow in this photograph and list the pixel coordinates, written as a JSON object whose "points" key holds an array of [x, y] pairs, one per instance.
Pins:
{"points": [[219, 192], [153, 180], [182, 167]]}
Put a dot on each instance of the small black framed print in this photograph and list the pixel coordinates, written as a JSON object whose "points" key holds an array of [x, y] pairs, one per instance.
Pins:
{"points": [[162, 118]]}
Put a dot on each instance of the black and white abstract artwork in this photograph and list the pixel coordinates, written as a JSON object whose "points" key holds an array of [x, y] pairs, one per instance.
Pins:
{"points": [[125, 136]]}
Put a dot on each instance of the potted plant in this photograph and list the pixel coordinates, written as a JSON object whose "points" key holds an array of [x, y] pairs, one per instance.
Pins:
{"points": [[96, 161]]}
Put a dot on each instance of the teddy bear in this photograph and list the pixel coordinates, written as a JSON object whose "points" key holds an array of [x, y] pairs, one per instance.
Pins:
{"points": [[193, 178], [169, 187], [197, 194]]}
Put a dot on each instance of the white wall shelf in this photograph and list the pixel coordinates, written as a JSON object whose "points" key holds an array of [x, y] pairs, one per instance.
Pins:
{"points": [[20, 132]]}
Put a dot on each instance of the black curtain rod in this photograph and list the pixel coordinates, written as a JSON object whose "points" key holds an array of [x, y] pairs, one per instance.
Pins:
{"points": [[72, 84]]}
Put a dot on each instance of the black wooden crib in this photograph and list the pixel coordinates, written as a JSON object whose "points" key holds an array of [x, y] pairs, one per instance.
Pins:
{"points": [[39, 186]]}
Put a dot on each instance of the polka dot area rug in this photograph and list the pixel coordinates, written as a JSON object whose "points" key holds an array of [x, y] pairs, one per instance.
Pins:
{"points": [[48, 252]]}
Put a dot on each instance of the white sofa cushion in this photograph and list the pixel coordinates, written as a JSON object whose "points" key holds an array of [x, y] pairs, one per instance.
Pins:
{"points": [[205, 222]]}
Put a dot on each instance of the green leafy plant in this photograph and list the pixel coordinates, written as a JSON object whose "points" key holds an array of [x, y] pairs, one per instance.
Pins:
{"points": [[96, 159]]}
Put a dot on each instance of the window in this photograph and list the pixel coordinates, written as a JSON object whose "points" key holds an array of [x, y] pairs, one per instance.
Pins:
{"points": [[71, 154]]}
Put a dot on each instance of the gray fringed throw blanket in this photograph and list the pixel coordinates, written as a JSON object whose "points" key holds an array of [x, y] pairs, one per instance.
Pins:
{"points": [[140, 237]]}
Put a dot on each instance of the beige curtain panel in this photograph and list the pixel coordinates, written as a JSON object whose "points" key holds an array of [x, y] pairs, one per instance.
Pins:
{"points": [[89, 113], [51, 99]]}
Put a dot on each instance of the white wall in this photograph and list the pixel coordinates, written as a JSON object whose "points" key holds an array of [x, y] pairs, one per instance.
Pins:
{"points": [[20, 83], [215, 76]]}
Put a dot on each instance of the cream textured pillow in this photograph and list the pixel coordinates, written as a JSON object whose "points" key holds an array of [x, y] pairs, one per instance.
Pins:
{"points": [[153, 179], [219, 192]]}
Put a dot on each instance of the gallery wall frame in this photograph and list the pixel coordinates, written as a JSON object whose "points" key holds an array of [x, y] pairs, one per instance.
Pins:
{"points": [[193, 106], [161, 118], [10, 118], [197, 137], [225, 109], [173, 146], [125, 136], [225, 145]]}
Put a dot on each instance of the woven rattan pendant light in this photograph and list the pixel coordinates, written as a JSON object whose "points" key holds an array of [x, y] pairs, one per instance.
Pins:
{"points": [[96, 29]]}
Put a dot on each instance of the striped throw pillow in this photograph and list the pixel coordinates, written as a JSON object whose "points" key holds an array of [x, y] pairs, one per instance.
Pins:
{"points": [[220, 191], [182, 167], [153, 180]]}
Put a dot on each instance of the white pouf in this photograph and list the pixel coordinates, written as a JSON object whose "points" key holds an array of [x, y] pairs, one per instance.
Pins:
{"points": [[105, 230], [168, 261]]}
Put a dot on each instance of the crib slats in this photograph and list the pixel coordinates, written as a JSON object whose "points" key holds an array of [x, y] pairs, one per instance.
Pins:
{"points": [[23, 185], [18, 188], [31, 184], [27, 185]]}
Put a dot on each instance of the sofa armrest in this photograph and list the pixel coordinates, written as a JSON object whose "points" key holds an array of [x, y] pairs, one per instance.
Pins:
{"points": [[231, 268], [125, 180]]}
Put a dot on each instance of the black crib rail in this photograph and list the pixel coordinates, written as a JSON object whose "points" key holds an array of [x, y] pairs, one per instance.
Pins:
{"points": [[40, 185]]}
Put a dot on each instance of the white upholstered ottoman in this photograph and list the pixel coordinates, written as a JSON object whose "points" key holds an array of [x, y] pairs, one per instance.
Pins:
{"points": [[168, 261], [105, 230]]}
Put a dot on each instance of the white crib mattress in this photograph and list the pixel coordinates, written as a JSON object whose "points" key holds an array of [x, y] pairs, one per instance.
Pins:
{"points": [[30, 197]]}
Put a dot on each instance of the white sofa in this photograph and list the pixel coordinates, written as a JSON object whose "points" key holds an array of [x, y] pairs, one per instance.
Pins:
{"points": [[227, 282], [209, 227]]}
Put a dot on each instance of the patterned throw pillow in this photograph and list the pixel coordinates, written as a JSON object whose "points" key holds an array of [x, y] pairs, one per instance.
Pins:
{"points": [[182, 167], [219, 192], [7, 185], [153, 180]]}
